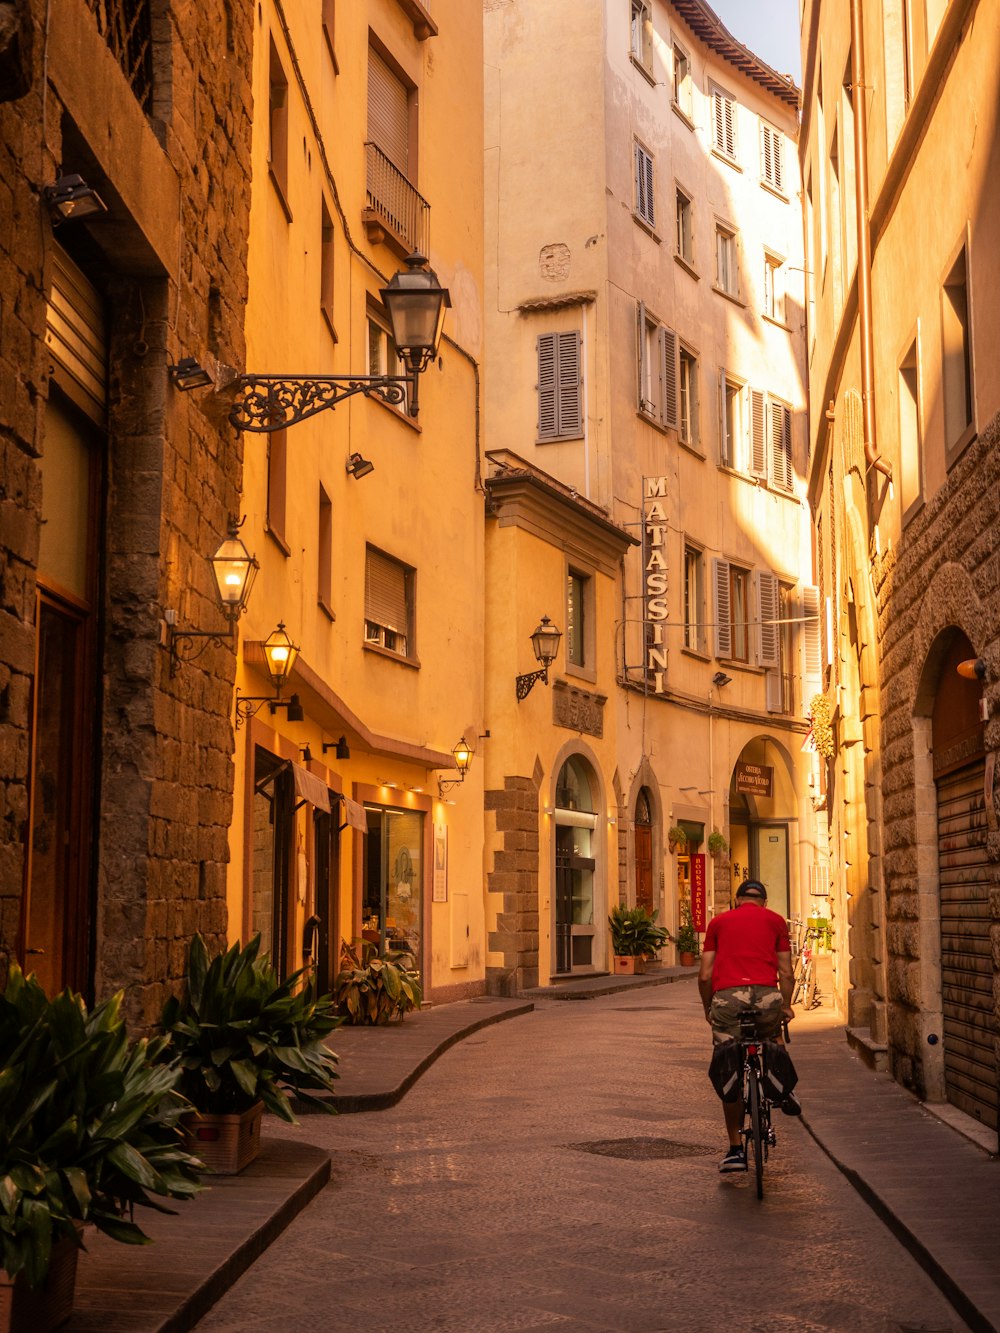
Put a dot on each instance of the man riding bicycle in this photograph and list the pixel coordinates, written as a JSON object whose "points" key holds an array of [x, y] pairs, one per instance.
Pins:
{"points": [[746, 963]]}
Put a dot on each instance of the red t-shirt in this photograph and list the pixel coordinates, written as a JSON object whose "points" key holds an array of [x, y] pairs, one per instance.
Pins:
{"points": [[746, 942]]}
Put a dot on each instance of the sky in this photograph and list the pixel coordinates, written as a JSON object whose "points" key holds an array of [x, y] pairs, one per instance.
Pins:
{"points": [[769, 27]]}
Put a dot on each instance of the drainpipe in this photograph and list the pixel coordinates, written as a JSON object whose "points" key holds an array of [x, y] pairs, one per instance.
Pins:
{"points": [[864, 239]]}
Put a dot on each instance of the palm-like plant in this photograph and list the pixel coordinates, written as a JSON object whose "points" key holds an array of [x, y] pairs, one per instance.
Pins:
{"points": [[374, 988], [242, 1036], [88, 1125], [634, 932]]}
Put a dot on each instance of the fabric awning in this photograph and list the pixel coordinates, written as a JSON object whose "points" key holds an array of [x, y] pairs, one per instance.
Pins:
{"points": [[354, 815], [310, 788]]}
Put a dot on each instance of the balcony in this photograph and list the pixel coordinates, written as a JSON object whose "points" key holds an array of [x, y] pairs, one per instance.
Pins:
{"points": [[126, 26], [394, 213]]}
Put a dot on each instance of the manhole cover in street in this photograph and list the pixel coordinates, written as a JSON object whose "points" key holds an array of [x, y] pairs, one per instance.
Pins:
{"points": [[642, 1149]]}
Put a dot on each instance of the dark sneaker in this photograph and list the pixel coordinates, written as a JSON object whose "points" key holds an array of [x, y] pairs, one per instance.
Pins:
{"points": [[734, 1160], [791, 1105]]}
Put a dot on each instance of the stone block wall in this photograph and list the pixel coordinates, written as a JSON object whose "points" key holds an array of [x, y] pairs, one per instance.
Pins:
{"points": [[514, 879]]}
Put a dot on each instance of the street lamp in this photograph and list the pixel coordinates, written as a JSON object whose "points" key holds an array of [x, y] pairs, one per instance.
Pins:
{"points": [[279, 655], [545, 643], [416, 303], [462, 752], [234, 569]]}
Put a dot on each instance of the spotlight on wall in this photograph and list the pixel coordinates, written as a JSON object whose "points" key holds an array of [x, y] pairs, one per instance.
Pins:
{"points": [[189, 374], [339, 746], [720, 679], [307, 756], [973, 668], [359, 467], [71, 199]]}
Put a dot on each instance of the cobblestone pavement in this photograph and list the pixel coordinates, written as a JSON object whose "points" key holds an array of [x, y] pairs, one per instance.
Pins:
{"points": [[486, 1201]]}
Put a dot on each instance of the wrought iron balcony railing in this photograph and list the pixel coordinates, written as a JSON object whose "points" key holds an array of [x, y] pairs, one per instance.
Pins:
{"points": [[392, 203]]}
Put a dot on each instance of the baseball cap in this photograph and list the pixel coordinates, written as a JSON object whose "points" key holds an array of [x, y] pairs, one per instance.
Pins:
{"points": [[752, 888]]}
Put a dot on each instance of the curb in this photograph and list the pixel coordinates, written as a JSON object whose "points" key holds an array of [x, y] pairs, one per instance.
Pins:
{"points": [[615, 986]]}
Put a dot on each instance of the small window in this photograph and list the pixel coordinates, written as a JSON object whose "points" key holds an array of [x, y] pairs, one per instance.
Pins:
{"points": [[657, 369], [682, 81], [389, 612], [693, 594], [277, 485], [383, 358], [642, 35], [324, 561], [772, 167], [560, 387], [644, 206], [326, 257], [579, 593], [277, 124], [732, 432], [724, 124], [688, 385], [956, 352], [685, 230], [774, 288], [731, 611], [910, 433], [727, 270]]}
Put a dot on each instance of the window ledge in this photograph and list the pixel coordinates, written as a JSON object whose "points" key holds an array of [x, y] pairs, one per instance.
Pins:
{"points": [[423, 25], [953, 452], [736, 300], [737, 664], [379, 651], [326, 608], [695, 654], [773, 189], [778, 323], [278, 540], [328, 316], [402, 416], [678, 110], [646, 73], [687, 267], [586, 673], [692, 447], [645, 226], [653, 421], [280, 191], [729, 161]]}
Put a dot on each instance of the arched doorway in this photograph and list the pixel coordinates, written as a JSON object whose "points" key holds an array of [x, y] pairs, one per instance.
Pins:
{"points": [[576, 852], [761, 815], [644, 850], [964, 878]]}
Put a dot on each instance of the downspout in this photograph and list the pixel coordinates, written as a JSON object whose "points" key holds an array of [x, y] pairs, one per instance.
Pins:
{"points": [[858, 91]]}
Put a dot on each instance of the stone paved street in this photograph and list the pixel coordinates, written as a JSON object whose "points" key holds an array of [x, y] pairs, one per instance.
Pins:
{"points": [[474, 1203]]}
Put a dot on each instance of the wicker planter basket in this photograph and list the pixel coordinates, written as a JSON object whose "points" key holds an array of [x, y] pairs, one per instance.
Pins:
{"points": [[225, 1143], [25, 1311]]}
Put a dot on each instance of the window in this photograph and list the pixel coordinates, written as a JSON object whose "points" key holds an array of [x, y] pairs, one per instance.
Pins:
{"points": [[389, 614], [657, 369], [727, 270], [772, 168], [644, 206], [693, 594], [277, 125], [956, 353], [685, 233], [560, 387], [688, 384], [682, 81], [389, 112], [383, 358], [642, 35], [324, 562], [910, 435], [914, 42], [774, 287], [326, 253], [277, 486], [780, 418], [724, 124], [731, 611], [732, 433], [579, 617], [329, 31]]}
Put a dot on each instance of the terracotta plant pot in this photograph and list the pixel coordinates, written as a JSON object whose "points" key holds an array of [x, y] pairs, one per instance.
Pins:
{"points": [[25, 1311], [225, 1143], [687, 960], [629, 964]]}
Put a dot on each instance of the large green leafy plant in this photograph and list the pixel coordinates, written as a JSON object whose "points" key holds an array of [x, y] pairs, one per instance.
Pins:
{"points": [[374, 988], [634, 932], [241, 1035], [88, 1124]]}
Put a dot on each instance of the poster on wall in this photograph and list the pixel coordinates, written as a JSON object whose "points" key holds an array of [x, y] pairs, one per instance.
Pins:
{"points": [[698, 902], [440, 889]]}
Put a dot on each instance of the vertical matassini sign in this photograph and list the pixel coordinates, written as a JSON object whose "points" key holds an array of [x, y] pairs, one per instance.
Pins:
{"points": [[654, 578]]}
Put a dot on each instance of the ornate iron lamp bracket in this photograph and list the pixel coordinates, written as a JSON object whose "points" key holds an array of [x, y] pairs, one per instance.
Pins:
{"points": [[525, 682], [273, 402]]}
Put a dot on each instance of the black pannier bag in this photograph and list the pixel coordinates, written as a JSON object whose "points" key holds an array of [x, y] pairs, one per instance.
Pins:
{"points": [[779, 1072], [726, 1069]]}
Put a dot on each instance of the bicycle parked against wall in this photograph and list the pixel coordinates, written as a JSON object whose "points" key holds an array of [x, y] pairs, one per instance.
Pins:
{"points": [[758, 1132], [805, 943]]}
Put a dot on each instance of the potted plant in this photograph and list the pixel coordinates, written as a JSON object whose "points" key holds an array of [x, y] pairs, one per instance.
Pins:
{"points": [[373, 987], [676, 838], [635, 936], [686, 940], [717, 844], [243, 1040], [88, 1131]]}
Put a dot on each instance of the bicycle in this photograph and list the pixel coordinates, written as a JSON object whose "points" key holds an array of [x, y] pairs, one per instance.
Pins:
{"points": [[758, 1132], [806, 990]]}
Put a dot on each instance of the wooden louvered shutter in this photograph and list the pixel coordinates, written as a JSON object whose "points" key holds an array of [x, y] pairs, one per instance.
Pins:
{"points": [[569, 405], [548, 411], [668, 377], [388, 112], [812, 667], [758, 435], [724, 446], [385, 592], [719, 120], [774, 695], [642, 370], [768, 612], [730, 111], [723, 611], [781, 446]]}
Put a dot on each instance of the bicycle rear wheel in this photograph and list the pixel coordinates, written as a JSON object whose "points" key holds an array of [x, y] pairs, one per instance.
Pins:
{"points": [[756, 1128]]}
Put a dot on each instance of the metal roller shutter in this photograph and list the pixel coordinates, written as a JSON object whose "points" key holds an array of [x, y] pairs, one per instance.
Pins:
{"points": [[388, 111]]}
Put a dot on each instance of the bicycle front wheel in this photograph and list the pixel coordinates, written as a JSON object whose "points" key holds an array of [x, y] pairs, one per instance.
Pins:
{"points": [[756, 1128]]}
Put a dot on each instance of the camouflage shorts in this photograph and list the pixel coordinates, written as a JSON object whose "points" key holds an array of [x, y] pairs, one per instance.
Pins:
{"points": [[727, 1005]]}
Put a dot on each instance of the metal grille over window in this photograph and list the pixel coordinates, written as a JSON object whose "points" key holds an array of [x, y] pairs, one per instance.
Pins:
{"points": [[126, 27]]}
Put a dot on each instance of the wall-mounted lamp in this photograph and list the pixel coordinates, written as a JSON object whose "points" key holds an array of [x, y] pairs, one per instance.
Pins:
{"points": [[234, 569], [973, 668], [545, 643], [359, 467], [279, 654], [415, 301], [71, 199], [720, 679], [339, 746], [307, 756], [189, 374], [463, 758]]}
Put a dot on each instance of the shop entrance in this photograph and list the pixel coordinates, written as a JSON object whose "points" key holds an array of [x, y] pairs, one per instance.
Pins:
{"points": [[392, 902], [575, 867], [644, 851]]}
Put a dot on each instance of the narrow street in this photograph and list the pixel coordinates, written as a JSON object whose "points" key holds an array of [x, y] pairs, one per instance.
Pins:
{"points": [[561, 1171]]}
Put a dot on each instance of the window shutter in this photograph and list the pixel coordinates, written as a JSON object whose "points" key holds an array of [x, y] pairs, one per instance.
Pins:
{"points": [[640, 359], [758, 441], [719, 122], [768, 611], [774, 700], [644, 185], [781, 453], [388, 111], [650, 213], [723, 613], [548, 419], [668, 377], [724, 446], [569, 396], [811, 641], [730, 127], [385, 592]]}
